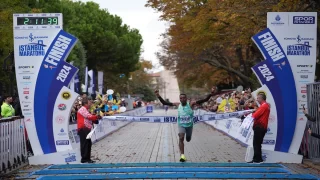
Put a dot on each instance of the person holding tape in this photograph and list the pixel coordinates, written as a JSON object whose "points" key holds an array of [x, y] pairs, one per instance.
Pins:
{"points": [[185, 117], [260, 127], [85, 119]]}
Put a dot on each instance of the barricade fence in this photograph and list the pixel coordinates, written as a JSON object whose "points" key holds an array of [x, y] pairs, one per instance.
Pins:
{"points": [[311, 145], [13, 152]]}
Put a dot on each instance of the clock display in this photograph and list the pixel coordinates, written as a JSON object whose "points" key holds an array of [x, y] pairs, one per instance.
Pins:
{"points": [[37, 21]]}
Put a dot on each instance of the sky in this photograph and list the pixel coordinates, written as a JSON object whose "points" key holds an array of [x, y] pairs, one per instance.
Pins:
{"points": [[145, 19]]}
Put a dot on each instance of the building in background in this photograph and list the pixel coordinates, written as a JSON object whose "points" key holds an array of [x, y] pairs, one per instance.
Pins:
{"points": [[167, 83]]}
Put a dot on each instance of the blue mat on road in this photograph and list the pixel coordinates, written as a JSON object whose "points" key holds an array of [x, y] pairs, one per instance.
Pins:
{"points": [[167, 171]]}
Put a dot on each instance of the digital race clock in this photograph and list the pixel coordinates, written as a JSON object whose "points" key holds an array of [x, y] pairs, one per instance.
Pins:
{"points": [[37, 21]]}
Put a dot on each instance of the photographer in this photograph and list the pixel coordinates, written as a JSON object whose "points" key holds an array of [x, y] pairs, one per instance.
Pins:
{"points": [[85, 120]]}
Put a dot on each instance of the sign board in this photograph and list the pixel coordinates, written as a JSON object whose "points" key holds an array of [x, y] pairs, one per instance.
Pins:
{"points": [[41, 48]]}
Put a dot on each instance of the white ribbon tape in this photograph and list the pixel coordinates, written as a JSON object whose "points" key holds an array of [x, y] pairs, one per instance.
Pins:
{"points": [[173, 119]]}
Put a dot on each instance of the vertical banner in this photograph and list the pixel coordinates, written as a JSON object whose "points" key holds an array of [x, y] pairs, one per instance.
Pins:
{"points": [[77, 83], [86, 80], [100, 81], [296, 32], [270, 86], [71, 84], [275, 55], [57, 53], [30, 48], [90, 74], [64, 74]]}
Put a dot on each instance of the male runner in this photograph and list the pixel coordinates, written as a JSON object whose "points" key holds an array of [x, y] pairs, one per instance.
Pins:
{"points": [[185, 117]]}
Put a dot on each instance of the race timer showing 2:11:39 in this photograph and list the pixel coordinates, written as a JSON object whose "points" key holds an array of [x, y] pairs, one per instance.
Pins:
{"points": [[37, 21]]}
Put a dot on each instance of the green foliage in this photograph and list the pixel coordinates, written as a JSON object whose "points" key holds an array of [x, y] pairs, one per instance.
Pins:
{"points": [[146, 91], [105, 43]]}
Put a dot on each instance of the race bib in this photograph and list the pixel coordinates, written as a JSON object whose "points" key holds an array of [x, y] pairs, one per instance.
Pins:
{"points": [[185, 119]]}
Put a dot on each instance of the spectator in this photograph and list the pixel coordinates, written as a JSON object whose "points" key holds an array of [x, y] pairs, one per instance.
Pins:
{"points": [[6, 109], [313, 134]]}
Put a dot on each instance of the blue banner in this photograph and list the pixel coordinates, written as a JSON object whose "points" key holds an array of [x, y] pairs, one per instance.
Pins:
{"points": [[274, 54], [64, 74], [58, 51], [77, 83], [266, 75]]}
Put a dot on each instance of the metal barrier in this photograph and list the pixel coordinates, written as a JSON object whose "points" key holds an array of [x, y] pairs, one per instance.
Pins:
{"points": [[313, 97], [12, 144]]}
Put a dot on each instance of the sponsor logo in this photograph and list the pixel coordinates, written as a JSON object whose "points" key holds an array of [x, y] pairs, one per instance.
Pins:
{"points": [[25, 92], [212, 117], [306, 66], [26, 77], [303, 91], [35, 47], [269, 131], [25, 67], [157, 120], [62, 107], [60, 119], [301, 119], [28, 120], [170, 119], [26, 114], [26, 97], [62, 133], [71, 157], [303, 20], [66, 95], [302, 48], [304, 76], [26, 109], [264, 157], [25, 105], [277, 21], [272, 118], [144, 119], [25, 102], [233, 114], [62, 142], [303, 96], [268, 142]]}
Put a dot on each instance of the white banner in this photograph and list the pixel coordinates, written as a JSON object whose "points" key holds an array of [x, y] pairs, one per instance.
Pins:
{"points": [[297, 34], [61, 116], [30, 48], [100, 81]]}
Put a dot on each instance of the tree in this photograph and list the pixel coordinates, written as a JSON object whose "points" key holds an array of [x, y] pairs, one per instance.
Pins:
{"points": [[217, 33]]}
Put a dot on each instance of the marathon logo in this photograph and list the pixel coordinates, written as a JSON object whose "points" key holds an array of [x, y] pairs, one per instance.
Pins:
{"points": [[58, 50], [304, 20], [32, 49], [271, 46]]}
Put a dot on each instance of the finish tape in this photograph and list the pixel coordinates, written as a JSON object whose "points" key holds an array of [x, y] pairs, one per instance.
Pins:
{"points": [[174, 119]]}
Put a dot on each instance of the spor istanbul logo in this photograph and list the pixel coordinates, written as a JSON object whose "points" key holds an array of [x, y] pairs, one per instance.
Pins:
{"points": [[302, 48], [35, 47]]}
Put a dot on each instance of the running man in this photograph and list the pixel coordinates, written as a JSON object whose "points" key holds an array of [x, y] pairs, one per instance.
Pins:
{"points": [[185, 117]]}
